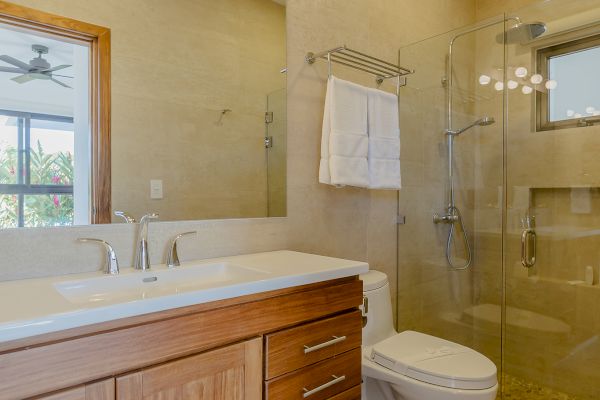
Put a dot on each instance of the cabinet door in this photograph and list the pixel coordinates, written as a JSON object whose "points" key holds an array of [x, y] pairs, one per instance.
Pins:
{"points": [[229, 373], [103, 390]]}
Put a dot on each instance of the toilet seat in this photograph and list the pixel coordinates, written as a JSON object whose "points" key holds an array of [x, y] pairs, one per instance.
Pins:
{"points": [[435, 361]]}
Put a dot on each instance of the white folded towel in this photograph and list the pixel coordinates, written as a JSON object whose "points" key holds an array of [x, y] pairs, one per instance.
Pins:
{"points": [[384, 140], [344, 140]]}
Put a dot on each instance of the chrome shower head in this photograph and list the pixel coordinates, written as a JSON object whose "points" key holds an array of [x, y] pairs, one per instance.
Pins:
{"points": [[522, 33], [485, 121]]}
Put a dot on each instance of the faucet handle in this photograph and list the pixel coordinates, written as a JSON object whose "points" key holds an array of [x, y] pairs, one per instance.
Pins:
{"points": [[148, 217], [112, 264], [128, 218], [172, 256]]}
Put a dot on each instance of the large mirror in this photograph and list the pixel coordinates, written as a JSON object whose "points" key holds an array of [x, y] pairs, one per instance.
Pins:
{"points": [[197, 111]]}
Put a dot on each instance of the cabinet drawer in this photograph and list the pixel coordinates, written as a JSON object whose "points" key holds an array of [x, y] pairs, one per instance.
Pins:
{"points": [[320, 381], [350, 394], [294, 348]]}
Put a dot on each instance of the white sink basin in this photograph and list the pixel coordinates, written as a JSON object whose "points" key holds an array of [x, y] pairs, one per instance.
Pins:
{"points": [[137, 285]]}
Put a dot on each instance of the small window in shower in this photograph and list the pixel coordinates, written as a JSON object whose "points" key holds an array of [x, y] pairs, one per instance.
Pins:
{"points": [[568, 95]]}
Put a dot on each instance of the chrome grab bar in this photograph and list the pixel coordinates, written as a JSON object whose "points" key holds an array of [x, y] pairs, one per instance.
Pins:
{"points": [[528, 242], [335, 340], [334, 381]]}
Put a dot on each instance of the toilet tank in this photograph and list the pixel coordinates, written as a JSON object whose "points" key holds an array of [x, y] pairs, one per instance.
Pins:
{"points": [[380, 323]]}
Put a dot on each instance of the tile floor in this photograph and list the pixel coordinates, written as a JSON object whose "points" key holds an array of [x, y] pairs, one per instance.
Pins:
{"points": [[518, 389]]}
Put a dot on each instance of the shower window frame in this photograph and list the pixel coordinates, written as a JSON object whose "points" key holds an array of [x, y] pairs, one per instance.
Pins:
{"points": [[543, 57]]}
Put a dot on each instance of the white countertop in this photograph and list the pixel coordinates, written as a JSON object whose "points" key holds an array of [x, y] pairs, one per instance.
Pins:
{"points": [[34, 306]]}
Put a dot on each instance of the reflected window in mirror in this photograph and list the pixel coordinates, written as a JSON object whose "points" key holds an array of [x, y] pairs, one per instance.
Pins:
{"points": [[569, 95], [54, 121]]}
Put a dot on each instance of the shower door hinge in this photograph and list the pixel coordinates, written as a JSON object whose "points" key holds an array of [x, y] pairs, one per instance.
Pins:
{"points": [[268, 117], [268, 142], [400, 219]]}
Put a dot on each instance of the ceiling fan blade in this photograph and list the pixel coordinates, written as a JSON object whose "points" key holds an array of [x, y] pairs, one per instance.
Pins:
{"points": [[60, 83], [63, 76], [23, 78], [15, 62], [57, 68], [15, 70]]}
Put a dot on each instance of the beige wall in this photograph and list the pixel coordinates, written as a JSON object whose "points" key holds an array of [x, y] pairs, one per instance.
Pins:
{"points": [[351, 223]]}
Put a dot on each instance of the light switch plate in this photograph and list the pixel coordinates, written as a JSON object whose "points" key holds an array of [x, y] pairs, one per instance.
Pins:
{"points": [[156, 189]]}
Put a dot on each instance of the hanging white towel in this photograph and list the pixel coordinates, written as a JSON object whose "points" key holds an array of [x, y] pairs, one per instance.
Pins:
{"points": [[344, 140], [384, 140]]}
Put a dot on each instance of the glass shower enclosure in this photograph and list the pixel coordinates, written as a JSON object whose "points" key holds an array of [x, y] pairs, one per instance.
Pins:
{"points": [[525, 182]]}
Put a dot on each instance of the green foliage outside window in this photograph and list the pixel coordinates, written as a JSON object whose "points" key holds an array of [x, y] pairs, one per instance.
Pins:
{"points": [[39, 209]]}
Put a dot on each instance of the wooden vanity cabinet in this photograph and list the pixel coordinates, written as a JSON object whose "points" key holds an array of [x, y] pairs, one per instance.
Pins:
{"points": [[102, 390], [316, 361], [230, 373], [211, 351]]}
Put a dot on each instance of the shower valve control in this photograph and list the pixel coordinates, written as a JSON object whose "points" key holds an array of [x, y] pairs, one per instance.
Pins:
{"points": [[444, 219]]}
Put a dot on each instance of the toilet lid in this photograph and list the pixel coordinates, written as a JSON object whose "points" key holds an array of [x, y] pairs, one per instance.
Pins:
{"points": [[436, 361]]}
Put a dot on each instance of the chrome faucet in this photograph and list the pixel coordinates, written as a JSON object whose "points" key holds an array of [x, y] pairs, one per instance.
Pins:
{"points": [[142, 259], [172, 255], [128, 218], [112, 264]]}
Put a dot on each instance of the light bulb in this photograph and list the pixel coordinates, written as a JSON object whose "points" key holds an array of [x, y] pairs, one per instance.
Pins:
{"points": [[551, 84], [521, 72], [484, 80], [526, 89], [499, 86], [590, 110], [512, 84], [536, 79], [570, 113]]}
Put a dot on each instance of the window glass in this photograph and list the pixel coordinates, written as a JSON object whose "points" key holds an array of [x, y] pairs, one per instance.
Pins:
{"points": [[36, 170], [9, 144], [9, 211], [48, 210], [577, 92], [51, 152]]}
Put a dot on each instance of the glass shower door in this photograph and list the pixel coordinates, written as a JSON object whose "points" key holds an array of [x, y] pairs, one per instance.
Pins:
{"points": [[435, 296], [552, 316]]}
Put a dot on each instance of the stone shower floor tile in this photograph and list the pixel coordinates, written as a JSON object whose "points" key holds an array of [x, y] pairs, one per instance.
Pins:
{"points": [[518, 389]]}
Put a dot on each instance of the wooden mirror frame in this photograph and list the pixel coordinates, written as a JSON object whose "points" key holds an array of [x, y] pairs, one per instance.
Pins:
{"points": [[98, 39]]}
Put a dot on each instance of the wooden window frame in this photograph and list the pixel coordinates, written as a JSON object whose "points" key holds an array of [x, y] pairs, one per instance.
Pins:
{"points": [[543, 55], [98, 39]]}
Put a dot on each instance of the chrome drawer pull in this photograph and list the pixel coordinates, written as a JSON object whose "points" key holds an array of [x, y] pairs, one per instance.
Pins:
{"points": [[336, 339], [324, 386]]}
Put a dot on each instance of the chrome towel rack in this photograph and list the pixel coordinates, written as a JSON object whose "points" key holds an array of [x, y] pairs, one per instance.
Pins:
{"points": [[355, 59]]}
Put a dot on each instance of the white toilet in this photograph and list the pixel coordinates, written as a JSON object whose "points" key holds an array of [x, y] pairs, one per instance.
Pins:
{"points": [[412, 365]]}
